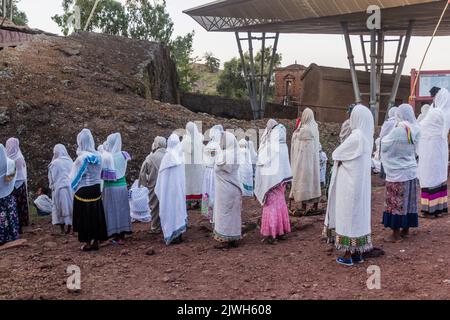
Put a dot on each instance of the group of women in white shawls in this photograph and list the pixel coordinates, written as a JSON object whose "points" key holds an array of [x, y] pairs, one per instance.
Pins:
{"points": [[414, 159]]}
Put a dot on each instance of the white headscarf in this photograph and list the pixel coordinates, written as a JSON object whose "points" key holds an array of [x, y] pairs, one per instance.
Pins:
{"points": [[433, 125], [59, 168], [442, 102], [174, 156], [215, 133], [13, 152], [114, 162], [308, 122], [362, 125], [389, 124], [7, 173], [245, 156], [423, 112], [86, 154], [273, 165], [159, 143], [405, 117], [193, 144]]}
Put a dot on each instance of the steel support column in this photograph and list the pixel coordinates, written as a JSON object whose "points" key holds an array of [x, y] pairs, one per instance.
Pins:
{"points": [[351, 60], [4, 8], [401, 64], [373, 73], [257, 82]]}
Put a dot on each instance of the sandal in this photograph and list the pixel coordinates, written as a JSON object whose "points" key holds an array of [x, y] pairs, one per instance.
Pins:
{"points": [[86, 248]]}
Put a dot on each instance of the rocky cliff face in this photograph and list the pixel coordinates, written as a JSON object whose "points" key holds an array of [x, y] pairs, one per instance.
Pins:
{"points": [[53, 87]]}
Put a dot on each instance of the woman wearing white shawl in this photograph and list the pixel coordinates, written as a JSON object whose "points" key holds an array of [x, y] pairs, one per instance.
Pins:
{"points": [[115, 192], [423, 112], [245, 168], [20, 187], [148, 177], [323, 167], [347, 222], [9, 218], [62, 194], [211, 151], [398, 150], [386, 128], [193, 157], [433, 160], [88, 213], [305, 154], [171, 192], [228, 194], [273, 171]]}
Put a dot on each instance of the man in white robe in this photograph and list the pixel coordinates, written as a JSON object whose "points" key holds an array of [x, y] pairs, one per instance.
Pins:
{"points": [[171, 192]]}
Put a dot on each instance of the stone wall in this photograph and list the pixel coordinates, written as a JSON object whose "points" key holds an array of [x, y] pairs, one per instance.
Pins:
{"points": [[232, 108]]}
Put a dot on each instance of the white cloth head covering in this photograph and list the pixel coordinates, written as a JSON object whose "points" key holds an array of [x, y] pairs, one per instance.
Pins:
{"points": [[14, 153], [7, 173], [405, 117], [362, 124], [423, 112], [114, 161], [174, 156], [308, 122], [389, 124], [60, 167], [86, 143], [193, 144], [392, 112], [215, 133], [442, 102], [273, 165], [159, 143]]}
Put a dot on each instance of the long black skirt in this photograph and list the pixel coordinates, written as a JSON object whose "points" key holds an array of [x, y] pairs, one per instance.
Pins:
{"points": [[88, 214]]}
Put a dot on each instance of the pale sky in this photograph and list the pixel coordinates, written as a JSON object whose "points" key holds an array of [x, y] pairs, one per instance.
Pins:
{"points": [[321, 49]]}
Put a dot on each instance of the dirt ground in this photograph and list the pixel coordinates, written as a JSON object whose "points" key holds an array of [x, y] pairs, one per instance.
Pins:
{"points": [[301, 267]]}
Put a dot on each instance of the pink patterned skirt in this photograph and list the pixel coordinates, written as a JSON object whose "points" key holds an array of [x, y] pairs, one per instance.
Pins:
{"points": [[275, 217]]}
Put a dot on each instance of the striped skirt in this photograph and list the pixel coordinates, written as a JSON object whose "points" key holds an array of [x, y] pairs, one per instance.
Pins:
{"points": [[434, 200]]}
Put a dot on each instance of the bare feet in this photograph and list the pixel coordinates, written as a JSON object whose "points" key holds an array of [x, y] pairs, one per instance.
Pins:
{"points": [[392, 239]]}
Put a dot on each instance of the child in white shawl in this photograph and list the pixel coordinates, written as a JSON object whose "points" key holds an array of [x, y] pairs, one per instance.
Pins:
{"points": [[62, 194], [171, 192], [347, 222]]}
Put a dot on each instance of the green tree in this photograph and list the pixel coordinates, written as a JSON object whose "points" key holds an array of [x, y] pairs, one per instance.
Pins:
{"points": [[212, 63], [19, 17], [109, 17], [182, 51], [232, 82]]}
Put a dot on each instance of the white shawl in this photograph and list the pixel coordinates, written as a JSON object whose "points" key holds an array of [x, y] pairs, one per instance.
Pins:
{"points": [[14, 153], [245, 168], [305, 155], [193, 158], [423, 112], [171, 192], [433, 150], [7, 173], [273, 165], [349, 199], [114, 164], [59, 169]]}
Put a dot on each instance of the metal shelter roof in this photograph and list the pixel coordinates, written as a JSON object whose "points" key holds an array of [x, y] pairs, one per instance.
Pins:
{"points": [[320, 16]]}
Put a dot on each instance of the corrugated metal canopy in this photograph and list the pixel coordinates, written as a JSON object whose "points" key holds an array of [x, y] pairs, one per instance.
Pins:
{"points": [[319, 16]]}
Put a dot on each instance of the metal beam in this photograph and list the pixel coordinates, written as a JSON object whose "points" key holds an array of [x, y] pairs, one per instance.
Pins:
{"points": [[261, 76], [373, 74], [246, 75], [252, 75], [269, 76], [398, 75], [351, 60], [4, 8], [380, 67], [11, 9]]}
